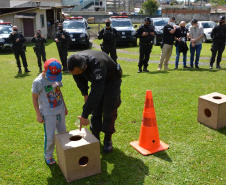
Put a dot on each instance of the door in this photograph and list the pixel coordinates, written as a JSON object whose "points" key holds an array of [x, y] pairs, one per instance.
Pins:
{"points": [[28, 27]]}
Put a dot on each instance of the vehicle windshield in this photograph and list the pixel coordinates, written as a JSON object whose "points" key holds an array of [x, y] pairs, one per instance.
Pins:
{"points": [[121, 23], [74, 25], [160, 22], [5, 30], [208, 24]]}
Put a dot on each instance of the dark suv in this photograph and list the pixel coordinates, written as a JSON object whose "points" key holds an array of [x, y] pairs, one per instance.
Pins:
{"points": [[77, 28], [5, 30], [158, 24], [125, 29]]}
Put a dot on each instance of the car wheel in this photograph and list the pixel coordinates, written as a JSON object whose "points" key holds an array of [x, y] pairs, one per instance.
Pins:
{"points": [[204, 40], [87, 44], [156, 42], [134, 43]]}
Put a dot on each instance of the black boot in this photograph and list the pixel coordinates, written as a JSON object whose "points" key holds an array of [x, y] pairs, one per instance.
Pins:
{"points": [[97, 135], [218, 66], [40, 69], [145, 69], [140, 70], [19, 70], [26, 70], [108, 143]]}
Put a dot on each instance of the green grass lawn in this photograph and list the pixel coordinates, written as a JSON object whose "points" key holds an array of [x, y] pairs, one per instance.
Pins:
{"points": [[196, 154]]}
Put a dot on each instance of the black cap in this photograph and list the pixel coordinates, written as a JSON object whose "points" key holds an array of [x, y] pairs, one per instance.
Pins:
{"points": [[222, 18], [194, 21], [147, 19]]}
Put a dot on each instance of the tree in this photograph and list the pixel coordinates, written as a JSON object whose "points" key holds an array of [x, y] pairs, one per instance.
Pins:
{"points": [[141, 12], [218, 2], [150, 6]]}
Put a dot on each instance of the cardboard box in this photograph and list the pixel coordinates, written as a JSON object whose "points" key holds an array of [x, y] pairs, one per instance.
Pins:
{"points": [[78, 154], [212, 110]]}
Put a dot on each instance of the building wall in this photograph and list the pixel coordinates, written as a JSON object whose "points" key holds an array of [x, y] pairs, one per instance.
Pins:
{"points": [[215, 16], [4, 4], [37, 21], [37, 25], [55, 1], [187, 13], [10, 18]]}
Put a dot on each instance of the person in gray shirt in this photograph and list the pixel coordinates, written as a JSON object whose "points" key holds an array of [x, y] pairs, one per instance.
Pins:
{"points": [[49, 104], [196, 34]]}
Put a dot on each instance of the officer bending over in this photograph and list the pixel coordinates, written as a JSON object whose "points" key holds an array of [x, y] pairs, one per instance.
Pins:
{"points": [[104, 98], [62, 38], [17, 39], [146, 34], [109, 35], [219, 36], [39, 48]]}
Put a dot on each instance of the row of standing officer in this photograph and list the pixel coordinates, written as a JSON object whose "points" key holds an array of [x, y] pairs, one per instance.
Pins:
{"points": [[17, 39], [218, 35], [109, 35], [145, 33], [61, 38]]}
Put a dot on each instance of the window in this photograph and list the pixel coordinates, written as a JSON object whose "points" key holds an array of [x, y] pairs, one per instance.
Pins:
{"points": [[42, 20]]}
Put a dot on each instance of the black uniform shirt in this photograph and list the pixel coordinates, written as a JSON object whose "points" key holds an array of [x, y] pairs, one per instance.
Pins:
{"points": [[101, 70], [108, 39], [181, 33], [18, 35], [39, 42], [168, 38], [219, 33], [144, 28], [62, 42]]}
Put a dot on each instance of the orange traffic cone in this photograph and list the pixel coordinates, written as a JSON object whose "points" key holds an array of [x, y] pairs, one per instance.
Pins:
{"points": [[149, 141]]}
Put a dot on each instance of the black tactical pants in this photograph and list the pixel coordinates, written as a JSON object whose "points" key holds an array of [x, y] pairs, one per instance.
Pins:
{"points": [[110, 49], [63, 55], [105, 113], [217, 47], [41, 54], [145, 50], [19, 52]]}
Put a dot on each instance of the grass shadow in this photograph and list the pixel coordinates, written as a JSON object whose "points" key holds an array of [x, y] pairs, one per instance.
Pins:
{"points": [[22, 75], [163, 155], [157, 72], [126, 168], [222, 130], [123, 76], [204, 69], [57, 175]]}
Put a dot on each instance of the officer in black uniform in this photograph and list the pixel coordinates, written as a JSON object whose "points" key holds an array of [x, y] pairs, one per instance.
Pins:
{"points": [[17, 39], [104, 97], [219, 36], [39, 48], [146, 34], [109, 36], [62, 38]]}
